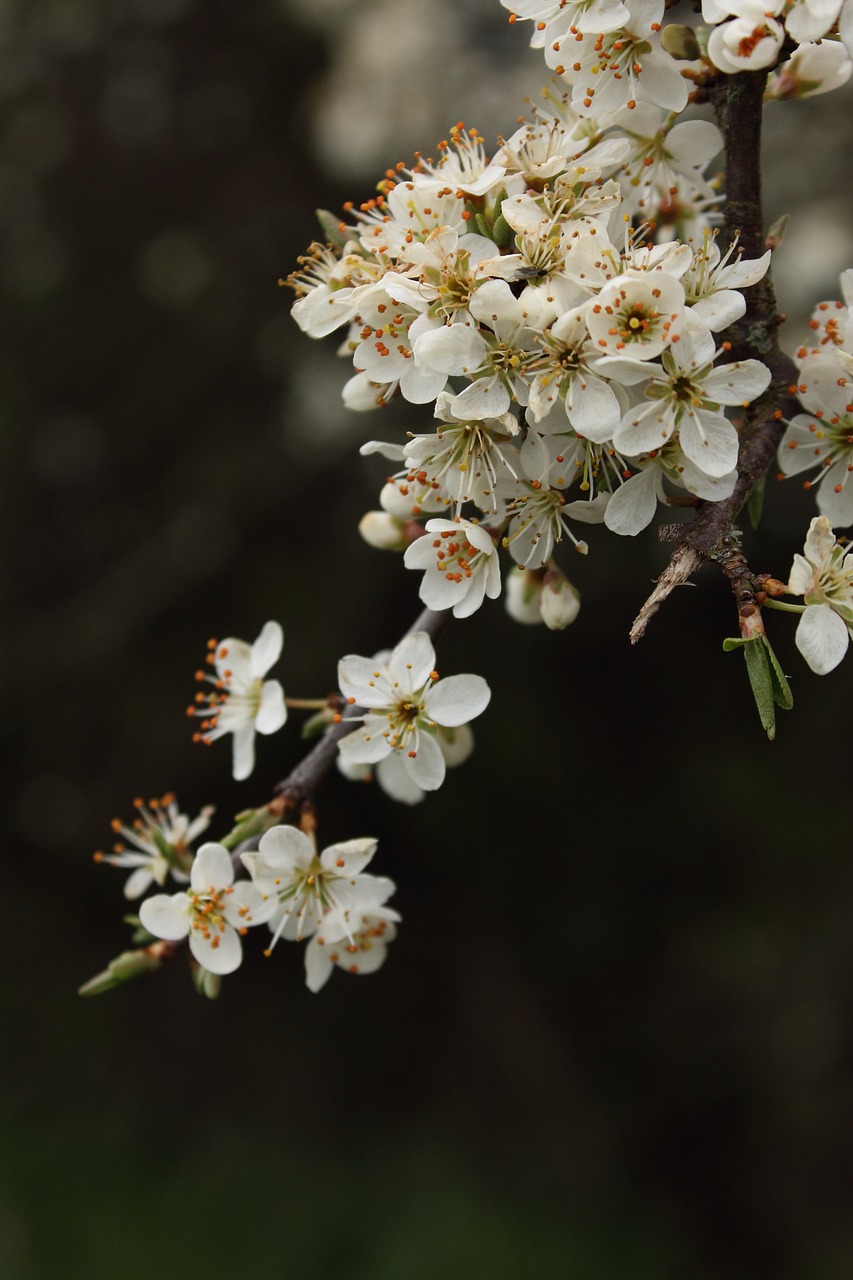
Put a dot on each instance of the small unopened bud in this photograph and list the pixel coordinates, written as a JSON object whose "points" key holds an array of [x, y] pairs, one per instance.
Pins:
{"points": [[559, 602], [522, 596], [130, 964], [318, 723], [382, 530], [206, 983], [680, 42], [776, 233]]}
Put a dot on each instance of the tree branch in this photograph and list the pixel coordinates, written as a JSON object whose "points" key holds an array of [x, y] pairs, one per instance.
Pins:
{"points": [[738, 102]]}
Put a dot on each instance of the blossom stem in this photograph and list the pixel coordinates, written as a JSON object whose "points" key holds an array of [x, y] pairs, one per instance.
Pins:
{"points": [[783, 607]]}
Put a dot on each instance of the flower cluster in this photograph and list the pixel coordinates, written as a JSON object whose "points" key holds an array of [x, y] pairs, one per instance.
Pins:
{"points": [[615, 54], [327, 898], [572, 361], [821, 439]]}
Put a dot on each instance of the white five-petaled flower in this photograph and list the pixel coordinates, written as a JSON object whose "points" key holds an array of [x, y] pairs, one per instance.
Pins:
{"points": [[304, 891], [161, 837], [823, 436], [406, 706], [364, 952], [243, 702], [461, 565], [823, 576], [214, 911]]}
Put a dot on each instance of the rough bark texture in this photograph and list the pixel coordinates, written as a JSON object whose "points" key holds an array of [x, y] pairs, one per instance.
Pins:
{"points": [[738, 102]]}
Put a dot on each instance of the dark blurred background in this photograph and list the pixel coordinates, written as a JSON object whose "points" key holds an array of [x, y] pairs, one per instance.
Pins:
{"points": [[613, 1038]]}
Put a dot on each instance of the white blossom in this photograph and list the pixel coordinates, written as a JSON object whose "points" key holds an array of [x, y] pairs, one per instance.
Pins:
{"points": [[214, 911], [363, 952], [304, 890], [460, 563], [822, 437], [161, 838], [406, 704], [243, 703], [823, 576]]}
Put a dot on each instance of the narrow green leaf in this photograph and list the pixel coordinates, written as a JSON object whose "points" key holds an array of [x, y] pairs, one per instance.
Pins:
{"points": [[734, 642], [782, 695], [758, 670]]}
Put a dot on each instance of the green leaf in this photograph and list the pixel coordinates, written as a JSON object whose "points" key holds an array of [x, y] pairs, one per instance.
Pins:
{"points": [[782, 695], [758, 670], [483, 226], [769, 683]]}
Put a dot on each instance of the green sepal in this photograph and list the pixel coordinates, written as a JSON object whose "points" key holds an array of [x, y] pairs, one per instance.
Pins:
{"points": [[140, 934], [502, 233], [331, 228], [317, 724], [483, 226], [206, 983], [755, 504], [251, 822]]}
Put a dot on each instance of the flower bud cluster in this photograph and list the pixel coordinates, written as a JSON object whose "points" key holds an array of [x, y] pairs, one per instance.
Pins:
{"points": [[566, 342]]}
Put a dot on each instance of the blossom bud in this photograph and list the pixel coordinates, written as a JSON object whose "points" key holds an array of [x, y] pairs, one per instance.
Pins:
{"points": [[384, 531], [559, 602], [522, 596], [206, 983], [680, 42], [130, 964]]}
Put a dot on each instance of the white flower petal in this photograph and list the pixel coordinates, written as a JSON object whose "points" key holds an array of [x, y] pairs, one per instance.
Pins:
{"points": [[427, 766], [457, 700], [243, 756], [212, 868], [166, 916], [822, 638], [412, 661], [272, 712], [266, 650], [221, 953], [350, 856], [318, 966]]}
